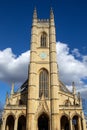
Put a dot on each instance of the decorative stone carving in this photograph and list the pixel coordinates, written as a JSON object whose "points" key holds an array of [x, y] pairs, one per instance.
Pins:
{"points": [[42, 107]]}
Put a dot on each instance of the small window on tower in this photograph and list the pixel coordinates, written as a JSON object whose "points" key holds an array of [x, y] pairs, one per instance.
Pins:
{"points": [[43, 40]]}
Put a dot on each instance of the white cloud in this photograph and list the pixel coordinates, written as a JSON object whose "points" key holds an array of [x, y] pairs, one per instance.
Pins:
{"points": [[72, 69], [76, 52], [13, 68]]}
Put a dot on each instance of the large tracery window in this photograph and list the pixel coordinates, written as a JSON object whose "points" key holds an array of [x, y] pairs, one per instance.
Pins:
{"points": [[43, 40], [43, 83]]}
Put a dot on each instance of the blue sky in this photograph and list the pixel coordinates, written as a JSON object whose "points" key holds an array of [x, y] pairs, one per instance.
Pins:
{"points": [[15, 30]]}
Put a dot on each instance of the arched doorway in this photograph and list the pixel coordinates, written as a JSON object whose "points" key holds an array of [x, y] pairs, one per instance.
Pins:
{"points": [[10, 123], [75, 123], [43, 122], [64, 123], [22, 123]]}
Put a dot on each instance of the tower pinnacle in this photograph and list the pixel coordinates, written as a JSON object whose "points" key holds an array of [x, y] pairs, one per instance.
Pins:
{"points": [[34, 17], [35, 13], [52, 23], [12, 89], [51, 14], [74, 88]]}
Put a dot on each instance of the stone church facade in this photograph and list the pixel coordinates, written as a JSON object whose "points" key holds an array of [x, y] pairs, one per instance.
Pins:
{"points": [[43, 102]]}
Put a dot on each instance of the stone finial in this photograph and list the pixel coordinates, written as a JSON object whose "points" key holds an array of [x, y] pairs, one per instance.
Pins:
{"points": [[73, 88], [7, 98], [52, 23], [35, 13], [51, 14], [79, 98], [79, 95], [12, 89], [34, 18]]}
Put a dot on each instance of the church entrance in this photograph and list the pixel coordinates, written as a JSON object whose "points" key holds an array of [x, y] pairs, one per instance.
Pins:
{"points": [[10, 123], [64, 123], [22, 123], [75, 123], [43, 122]]}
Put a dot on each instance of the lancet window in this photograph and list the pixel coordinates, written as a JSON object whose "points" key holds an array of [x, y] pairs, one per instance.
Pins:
{"points": [[43, 83]]}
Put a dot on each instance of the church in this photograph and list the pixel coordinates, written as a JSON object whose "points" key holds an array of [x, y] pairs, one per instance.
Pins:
{"points": [[43, 101]]}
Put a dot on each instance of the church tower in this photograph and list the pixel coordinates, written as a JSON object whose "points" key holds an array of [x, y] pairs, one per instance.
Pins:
{"points": [[43, 102], [50, 105], [43, 79]]}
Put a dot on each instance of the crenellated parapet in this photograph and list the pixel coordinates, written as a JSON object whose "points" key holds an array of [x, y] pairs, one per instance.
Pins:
{"points": [[43, 20]]}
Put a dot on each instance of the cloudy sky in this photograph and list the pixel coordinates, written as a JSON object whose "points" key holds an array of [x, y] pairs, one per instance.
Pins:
{"points": [[71, 37]]}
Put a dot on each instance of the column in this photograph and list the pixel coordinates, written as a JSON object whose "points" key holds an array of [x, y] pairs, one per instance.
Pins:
{"points": [[79, 123], [71, 124], [50, 123], [7, 127], [83, 124], [36, 124], [16, 124], [59, 123], [4, 124]]}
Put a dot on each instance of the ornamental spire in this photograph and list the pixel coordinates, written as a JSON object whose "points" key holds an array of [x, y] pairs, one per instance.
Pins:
{"points": [[12, 89], [34, 17], [51, 14], [52, 23], [35, 13], [74, 88]]}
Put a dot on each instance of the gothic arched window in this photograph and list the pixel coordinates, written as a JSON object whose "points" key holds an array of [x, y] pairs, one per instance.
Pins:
{"points": [[43, 83], [43, 40]]}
